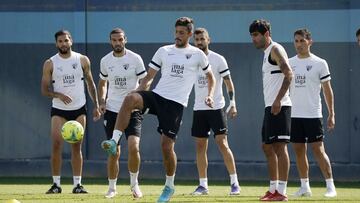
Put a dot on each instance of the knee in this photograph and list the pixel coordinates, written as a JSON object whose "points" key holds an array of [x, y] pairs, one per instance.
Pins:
{"points": [[166, 148], [268, 149], [201, 146], [131, 100], [57, 146], [318, 151], [133, 149]]}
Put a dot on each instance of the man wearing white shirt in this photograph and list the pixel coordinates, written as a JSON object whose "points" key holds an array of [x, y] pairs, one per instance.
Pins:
{"points": [[179, 64], [120, 72], [277, 76], [206, 118], [311, 75]]}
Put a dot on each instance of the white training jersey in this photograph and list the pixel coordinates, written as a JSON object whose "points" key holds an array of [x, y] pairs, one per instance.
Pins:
{"points": [[179, 69], [305, 88], [220, 69], [273, 79], [68, 79], [123, 74]]}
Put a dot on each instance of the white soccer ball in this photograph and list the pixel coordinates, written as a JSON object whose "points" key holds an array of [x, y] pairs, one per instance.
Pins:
{"points": [[72, 132]]}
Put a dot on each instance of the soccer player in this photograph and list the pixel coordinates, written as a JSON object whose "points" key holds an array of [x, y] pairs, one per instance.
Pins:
{"points": [[358, 36], [206, 118], [179, 64], [311, 75], [121, 70], [277, 76], [63, 81]]}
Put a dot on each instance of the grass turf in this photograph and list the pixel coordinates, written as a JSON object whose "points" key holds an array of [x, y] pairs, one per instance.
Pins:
{"points": [[33, 190]]}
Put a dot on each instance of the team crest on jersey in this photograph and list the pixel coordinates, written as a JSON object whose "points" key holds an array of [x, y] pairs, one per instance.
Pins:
{"points": [[60, 68], [74, 66], [111, 68], [188, 56], [126, 66], [308, 67]]}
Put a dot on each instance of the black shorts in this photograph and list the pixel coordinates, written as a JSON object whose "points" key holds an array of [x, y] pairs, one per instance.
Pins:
{"points": [[206, 120], [306, 130], [276, 128], [134, 127], [68, 115], [169, 113]]}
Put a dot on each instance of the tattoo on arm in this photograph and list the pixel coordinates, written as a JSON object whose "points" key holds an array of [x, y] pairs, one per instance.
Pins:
{"points": [[231, 95]]}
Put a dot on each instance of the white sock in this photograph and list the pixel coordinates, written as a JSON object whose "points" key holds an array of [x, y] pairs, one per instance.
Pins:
{"points": [[234, 179], [273, 186], [112, 184], [330, 184], [134, 178], [203, 182], [77, 180], [170, 181], [116, 135], [305, 183], [56, 179], [282, 187]]}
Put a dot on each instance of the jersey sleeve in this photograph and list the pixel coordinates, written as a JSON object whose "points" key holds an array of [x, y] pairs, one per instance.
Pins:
{"points": [[156, 61], [204, 62], [324, 72], [103, 72], [140, 68], [223, 67]]}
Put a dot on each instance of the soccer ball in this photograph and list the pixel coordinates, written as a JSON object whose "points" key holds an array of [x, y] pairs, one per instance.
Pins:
{"points": [[72, 132]]}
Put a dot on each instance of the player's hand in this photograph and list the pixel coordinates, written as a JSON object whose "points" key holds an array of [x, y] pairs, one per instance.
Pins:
{"points": [[209, 101], [330, 122], [231, 110], [276, 107], [102, 108], [96, 114], [64, 98]]}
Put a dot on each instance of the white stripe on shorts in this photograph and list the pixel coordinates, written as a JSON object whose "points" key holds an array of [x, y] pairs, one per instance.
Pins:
{"points": [[283, 137]]}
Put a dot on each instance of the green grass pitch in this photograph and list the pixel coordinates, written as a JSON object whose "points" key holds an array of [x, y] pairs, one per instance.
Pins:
{"points": [[33, 190]]}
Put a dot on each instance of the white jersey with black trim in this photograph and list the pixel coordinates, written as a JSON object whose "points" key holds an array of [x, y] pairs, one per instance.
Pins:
{"points": [[220, 69], [273, 79], [123, 74], [68, 79], [179, 69], [305, 88]]}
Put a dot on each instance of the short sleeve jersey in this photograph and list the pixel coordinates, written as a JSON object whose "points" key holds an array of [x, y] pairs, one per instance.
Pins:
{"points": [[123, 74], [179, 69], [305, 88], [68, 79], [220, 69]]}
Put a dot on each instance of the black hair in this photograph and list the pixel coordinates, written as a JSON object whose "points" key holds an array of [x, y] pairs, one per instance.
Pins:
{"points": [[185, 21], [117, 30], [304, 33], [62, 32], [261, 26]]}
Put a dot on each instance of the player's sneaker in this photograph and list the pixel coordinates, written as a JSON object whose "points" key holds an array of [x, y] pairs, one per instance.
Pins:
{"points": [[267, 195], [330, 193], [79, 189], [111, 193], [303, 192], [235, 190], [200, 190], [54, 189], [109, 146], [166, 194], [136, 192], [276, 197]]}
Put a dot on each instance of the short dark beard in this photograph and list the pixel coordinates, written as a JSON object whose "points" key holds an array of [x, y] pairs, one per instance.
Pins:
{"points": [[63, 52]]}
